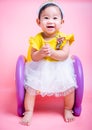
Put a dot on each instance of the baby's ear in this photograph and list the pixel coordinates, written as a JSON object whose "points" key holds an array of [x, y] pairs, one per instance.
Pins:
{"points": [[62, 21], [38, 21]]}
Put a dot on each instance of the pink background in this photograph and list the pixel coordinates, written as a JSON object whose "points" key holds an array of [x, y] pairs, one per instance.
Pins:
{"points": [[18, 23]]}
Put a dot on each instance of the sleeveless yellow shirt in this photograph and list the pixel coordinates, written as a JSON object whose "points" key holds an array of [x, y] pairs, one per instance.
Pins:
{"points": [[37, 42]]}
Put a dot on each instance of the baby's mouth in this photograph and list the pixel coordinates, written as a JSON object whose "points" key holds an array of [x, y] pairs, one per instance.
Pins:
{"points": [[50, 26]]}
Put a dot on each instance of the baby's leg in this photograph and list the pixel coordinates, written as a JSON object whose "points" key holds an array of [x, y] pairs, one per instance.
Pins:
{"points": [[69, 102], [29, 107]]}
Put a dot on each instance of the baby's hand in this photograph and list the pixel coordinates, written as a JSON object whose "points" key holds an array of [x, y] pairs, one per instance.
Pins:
{"points": [[46, 50]]}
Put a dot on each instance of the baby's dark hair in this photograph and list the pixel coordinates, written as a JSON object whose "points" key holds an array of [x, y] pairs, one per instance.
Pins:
{"points": [[48, 5]]}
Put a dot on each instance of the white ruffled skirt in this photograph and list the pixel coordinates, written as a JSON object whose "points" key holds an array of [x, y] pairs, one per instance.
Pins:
{"points": [[50, 78]]}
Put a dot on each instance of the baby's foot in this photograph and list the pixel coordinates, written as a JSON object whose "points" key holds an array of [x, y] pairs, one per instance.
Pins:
{"points": [[68, 114], [27, 118]]}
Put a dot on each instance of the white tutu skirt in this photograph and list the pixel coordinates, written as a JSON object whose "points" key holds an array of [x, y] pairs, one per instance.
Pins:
{"points": [[50, 78]]}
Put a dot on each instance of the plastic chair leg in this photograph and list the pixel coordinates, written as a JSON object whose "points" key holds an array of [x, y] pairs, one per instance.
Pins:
{"points": [[20, 84], [80, 83]]}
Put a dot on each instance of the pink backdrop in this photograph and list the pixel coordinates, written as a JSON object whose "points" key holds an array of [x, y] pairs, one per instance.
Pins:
{"points": [[17, 24]]}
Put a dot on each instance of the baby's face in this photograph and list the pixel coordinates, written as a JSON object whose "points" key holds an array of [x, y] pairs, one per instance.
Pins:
{"points": [[50, 20]]}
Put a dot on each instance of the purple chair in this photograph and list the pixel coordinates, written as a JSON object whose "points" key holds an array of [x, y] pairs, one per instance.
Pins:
{"points": [[20, 92]]}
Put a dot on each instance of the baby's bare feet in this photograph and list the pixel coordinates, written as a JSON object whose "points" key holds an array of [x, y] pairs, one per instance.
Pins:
{"points": [[68, 114], [26, 120]]}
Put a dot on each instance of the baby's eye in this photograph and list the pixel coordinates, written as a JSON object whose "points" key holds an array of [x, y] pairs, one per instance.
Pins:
{"points": [[55, 18], [46, 17]]}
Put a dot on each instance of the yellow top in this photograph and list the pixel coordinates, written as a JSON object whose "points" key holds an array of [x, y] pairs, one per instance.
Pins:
{"points": [[37, 42]]}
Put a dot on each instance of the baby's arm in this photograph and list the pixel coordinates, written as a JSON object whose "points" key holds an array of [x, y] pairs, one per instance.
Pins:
{"points": [[61, 54], [46, 50]]}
